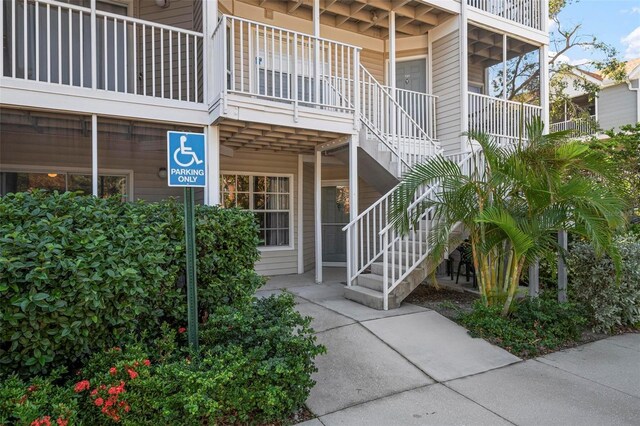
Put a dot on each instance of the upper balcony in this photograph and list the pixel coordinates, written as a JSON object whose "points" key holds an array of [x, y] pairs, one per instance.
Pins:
{"points": [[118, 61], [530, 13]]}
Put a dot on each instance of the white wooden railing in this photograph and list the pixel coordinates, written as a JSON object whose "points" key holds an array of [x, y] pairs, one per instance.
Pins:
{"points": [[60, 43], [386, 118], [278, 64], [577, 127], [500, 118], [421, 107], [525, 12], [379, 241]]}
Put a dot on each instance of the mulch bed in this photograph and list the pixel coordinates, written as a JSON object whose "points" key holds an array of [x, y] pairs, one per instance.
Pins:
{"points": [[445, 301]]}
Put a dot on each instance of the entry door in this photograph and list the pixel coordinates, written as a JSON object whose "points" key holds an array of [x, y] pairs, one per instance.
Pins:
{"points": [[335, 215], [412, 75]]}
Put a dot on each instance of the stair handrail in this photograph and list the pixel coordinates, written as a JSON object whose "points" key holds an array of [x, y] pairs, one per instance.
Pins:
{"points": [[414, 253], [399, 107]]}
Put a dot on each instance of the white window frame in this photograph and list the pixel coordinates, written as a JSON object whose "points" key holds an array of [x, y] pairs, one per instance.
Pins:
{"points": [[22, 168], [253, 174]]}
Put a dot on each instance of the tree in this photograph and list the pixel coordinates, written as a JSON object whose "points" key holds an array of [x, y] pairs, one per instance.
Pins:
{"points": [[523, 72], [512, 203], [623, 149]]}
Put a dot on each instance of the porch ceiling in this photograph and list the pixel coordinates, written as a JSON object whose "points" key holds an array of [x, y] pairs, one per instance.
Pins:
{"points": [[249, 136], [368, 17], [485, 47]]}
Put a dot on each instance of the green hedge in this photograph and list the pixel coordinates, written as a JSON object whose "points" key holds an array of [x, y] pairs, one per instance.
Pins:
{"points": [[607, 301], [255, 368], [80, 274]]}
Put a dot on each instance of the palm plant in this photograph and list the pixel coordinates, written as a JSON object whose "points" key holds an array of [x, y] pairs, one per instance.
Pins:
{"points": [[512, 201]]}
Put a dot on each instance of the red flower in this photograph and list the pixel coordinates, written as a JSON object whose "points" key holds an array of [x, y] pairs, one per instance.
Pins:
{"points": [[146, 362], [99, 401], [32, 388], [182, 330], [94, 392], [81, 386], [116, 348], [113, 371], [62, 422], [132, 374], [45, 421]]}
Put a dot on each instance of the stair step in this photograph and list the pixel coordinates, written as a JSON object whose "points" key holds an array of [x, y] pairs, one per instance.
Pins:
{"points": [[377, 268], [371, 281], [365, 296]]}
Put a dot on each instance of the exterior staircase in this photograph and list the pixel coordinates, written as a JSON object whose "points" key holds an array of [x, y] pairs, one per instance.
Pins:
{"points": [[384, 267]]}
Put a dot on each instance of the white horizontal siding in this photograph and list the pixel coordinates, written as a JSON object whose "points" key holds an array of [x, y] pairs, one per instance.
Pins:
{"points": [[617, 106], [446, 85], [272, 261]]}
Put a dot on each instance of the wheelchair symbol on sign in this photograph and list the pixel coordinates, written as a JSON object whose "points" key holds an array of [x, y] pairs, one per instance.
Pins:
{"points": [[185, 151]]}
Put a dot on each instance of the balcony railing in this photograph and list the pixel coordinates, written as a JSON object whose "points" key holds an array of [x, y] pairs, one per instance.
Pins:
{"points": [[500, 118], [525, 12], [577, 127], [274, 63], [420, 106], [64, 44]]}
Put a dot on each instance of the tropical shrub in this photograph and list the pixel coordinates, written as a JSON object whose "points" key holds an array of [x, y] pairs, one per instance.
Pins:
{"points": [[609, 300], [79, 274], [512, 200], [255, 368], [534, 325]]}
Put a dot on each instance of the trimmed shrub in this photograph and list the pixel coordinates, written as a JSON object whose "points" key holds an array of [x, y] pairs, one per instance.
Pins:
{"points": [[255, 368], [593, 283], [534, 326], [79, 274]]}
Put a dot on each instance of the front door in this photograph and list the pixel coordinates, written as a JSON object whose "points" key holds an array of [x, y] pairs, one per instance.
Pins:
{"points": [[412, 75], [335, 215]]}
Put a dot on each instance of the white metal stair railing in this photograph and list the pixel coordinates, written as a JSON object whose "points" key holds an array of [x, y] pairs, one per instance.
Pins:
{"points": [[402, 254], [377, 237], [392, 125], [577, 126]]}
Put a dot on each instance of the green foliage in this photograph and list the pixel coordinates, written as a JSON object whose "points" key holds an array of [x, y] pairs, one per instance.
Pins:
{"points": [[22, 403], [623, 149], [608, 302], [534, 326], [80, 274], [255, 368], [512, 201]]}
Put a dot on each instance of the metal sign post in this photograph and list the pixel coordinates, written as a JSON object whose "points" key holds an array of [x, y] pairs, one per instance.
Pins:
{"points": [[186, 159]]}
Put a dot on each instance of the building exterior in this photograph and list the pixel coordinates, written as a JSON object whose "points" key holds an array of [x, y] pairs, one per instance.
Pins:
{"points": [[312, 108], [617, 103]]}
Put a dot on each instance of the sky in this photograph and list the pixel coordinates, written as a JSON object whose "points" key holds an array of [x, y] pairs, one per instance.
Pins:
{"points": [[616, 22]]}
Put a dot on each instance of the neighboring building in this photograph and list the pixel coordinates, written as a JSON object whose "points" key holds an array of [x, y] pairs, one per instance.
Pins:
{"points": [[617, 103], [312, 109]]}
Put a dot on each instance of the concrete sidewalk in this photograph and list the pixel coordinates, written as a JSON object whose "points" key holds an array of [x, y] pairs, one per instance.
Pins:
{"points": [[412, 366]]}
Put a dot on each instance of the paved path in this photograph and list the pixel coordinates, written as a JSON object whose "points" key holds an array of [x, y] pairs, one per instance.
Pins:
{"points": [[412, 366]]}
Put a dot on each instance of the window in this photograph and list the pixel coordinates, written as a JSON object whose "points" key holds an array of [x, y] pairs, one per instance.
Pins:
{"points": [[108, 185], [269, 197]]}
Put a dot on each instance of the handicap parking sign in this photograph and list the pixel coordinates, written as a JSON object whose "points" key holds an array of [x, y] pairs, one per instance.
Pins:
{"points": [[186, 159]]}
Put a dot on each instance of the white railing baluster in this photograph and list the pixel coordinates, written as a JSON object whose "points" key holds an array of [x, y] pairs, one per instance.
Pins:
{"points": [[161, 63]]}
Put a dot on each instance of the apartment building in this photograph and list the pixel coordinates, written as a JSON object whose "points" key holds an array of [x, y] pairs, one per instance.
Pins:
{"points": [[312, 109], [616, 104]]}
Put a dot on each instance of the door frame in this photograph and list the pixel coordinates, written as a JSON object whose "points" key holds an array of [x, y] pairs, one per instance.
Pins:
{"points": [[407, 59], [333, 182]]}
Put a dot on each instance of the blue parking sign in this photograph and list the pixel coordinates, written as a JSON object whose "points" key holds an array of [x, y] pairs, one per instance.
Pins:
{"points": [[186, 159]]}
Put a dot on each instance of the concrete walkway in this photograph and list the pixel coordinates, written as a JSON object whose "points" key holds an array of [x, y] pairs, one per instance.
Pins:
{"points": [[412, 366]]}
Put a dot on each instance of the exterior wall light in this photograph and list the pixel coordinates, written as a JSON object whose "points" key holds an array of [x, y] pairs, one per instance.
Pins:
{"points": [[162, 172], [52, 175], [163, 3]]}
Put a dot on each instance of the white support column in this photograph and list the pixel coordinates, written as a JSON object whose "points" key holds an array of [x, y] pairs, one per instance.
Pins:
{"points": [[464, 75], [300, 215], [316, 53], [212, 191], [392, 53], [94, 155], [354, 194], [544, 85], [94, 58], [317, 186], [209, 23]]}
